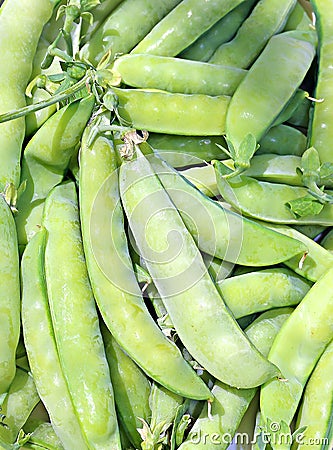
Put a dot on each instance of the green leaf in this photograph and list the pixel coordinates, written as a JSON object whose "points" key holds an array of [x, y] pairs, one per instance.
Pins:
{"points": [[305, 206], [245, 151], [310, 166]]}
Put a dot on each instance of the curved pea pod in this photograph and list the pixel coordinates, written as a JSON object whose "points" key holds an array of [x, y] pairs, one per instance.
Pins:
{"points": [[131, 388], [183, 25], [230, 404], [45, 160], [203, 178], [203, 48], [274, 168], [298, 19], [164, 112], [100, 13], [266, 19], [75, 321], [34, 121], [283, 140], [220, 232], [10, 296], [271, 200], [200, 317], [171, 74], [268, 86], [321, 128], [296, 350], [44, 436], [19, 37], [180, 151], [41, 347], [117, 33], [315, 262], [114, 283], [20, 400], [316, 408], [262, 290]]}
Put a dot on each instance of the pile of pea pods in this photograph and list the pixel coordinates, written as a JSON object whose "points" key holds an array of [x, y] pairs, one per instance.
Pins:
{"points": [[166, 213]]}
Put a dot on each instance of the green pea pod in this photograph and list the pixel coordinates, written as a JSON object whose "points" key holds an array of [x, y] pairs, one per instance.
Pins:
{"points": [[283, 140], [321, 128], [164, 405], [115, 287], [45, 161], [267, 18], [19, 37], [311, 231], [41, 347], [131, 388], [164, 112], [229, 406], [296, 349], [315, 262], [183, 25], [262, 290], [316, 408], [34, 121], [171, 74], [258, 100], [272, 199], [298, 19], [220, 232], [203, 178], [117, 33], [44, 436], [223, 31], [75, 322], [20, 400], [10, 296], [291, 107], [100, 13], [201, 319], [180, 151]]}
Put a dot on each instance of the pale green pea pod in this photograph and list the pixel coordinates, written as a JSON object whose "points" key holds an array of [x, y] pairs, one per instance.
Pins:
{"points": [[171, 74], [45, 160], [173, 113], [163, 405], [75, 321], [316, 408], [258, 101], [262, 290], [113, 279], [292, 107], [183, 25], [34, 121], [201, 319], [266, 19], [19, 38], [181, 151], [20, 400], [274, 168], [283, 140], [41, 347], [203, 48], [218, 231], [301, 115], [327, 241], [10, 296], [316, 260], [296, 350], [44, 436], [131, 388], [216, 429], [270, 202], [203, 178], [298, 19]]}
